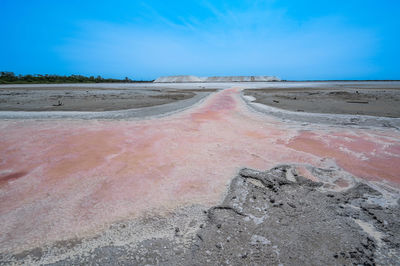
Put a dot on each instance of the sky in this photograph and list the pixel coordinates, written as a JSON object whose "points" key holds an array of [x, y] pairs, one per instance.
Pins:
{"points": [[294, 40]]}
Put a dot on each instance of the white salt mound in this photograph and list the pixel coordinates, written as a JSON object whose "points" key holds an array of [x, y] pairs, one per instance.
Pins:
{"points": [[188, 78], [178, 79], [241, 78]]}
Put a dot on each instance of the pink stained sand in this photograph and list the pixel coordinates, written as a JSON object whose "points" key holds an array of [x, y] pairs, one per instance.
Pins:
{"points": [[67, 178]]}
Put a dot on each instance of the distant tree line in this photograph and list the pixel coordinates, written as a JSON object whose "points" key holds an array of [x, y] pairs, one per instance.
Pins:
{"points": [[10, 78]]}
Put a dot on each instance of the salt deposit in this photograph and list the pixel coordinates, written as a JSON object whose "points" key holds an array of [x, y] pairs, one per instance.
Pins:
{"points": [[178, 79], [182, 79], [242, 78]]}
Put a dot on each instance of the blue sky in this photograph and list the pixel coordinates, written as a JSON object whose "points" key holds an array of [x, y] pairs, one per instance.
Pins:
{"points": [[304, 39]]}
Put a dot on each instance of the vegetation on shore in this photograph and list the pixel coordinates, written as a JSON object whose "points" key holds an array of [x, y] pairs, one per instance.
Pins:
{"points": [[11, 78]]}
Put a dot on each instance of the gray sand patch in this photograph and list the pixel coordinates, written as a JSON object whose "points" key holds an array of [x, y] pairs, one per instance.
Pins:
{"points": [[372, 102]]}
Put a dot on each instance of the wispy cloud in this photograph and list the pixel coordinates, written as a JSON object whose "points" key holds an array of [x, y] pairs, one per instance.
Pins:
{"points": [[257, 39]]}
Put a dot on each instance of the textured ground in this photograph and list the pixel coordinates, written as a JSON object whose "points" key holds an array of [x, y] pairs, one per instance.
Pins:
{"points": [[85, 99], [129, 191], [276, 217], [359, 101]]}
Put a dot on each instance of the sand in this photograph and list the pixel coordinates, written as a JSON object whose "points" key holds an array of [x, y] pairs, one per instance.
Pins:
{"points": [[90, 99], [170, 190], [82, 102], [347, 100]]}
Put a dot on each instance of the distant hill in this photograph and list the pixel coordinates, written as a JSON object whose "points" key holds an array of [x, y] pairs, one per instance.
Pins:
{"points": [[178, 79], [189, 78]]}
